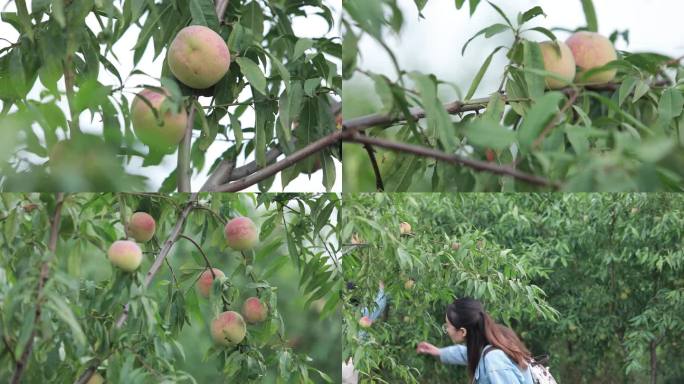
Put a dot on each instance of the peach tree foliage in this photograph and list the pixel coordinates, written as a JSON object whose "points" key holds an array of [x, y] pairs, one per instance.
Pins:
{"points": [[615, 266], [624, 135], [505, 280], [83, 297], [609, 266], [66, 47]]}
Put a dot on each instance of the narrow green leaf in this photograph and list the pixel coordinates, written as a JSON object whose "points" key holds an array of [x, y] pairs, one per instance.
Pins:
{"points": [[253, 74]]}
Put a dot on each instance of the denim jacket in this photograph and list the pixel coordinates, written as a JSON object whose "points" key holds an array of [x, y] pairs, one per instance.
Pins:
{"points": [[495, 368]]}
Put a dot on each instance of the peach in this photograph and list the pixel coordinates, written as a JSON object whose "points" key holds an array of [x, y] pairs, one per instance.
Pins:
{"points": [[96, 378], [254, 310], [164, 132], [198, 57], [141, 227], [456, 246], [206, 279], [561, 64], [404, 228], [241, 233], [228, 328], [365, 322], [592, 50], [409, 284], [125, 254]]}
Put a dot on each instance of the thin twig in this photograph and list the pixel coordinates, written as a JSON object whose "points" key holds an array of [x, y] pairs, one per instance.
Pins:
{"points": [[206, 259], [221, 6], [379, 186], [170, 241], [44, 272], [355, 137]]}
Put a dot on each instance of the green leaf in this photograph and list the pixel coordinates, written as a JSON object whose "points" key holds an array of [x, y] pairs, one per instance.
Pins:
{"points": [[300, 47], [488, 133], [480, 74], [531, 14], [60, 307], [253, 74], [590, 15], [533, 59], [488, 32], [438, 119], [203, 12], [537, 117]]}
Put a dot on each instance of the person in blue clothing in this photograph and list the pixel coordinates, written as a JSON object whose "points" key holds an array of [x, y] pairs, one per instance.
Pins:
{"points": [[349, 374], [492, 352]]}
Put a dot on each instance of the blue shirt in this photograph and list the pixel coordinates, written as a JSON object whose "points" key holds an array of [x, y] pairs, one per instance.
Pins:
{"points": [[495, 368], [380, 304]]}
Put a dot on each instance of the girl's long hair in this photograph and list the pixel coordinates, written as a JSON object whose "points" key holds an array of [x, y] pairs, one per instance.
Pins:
{"points": [[482, 330]]}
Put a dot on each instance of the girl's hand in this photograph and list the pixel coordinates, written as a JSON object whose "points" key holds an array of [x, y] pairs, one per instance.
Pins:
{"points": [[427, 349]]}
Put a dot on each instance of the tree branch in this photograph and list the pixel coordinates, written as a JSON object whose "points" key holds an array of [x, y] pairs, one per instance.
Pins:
{"points": [[355, 137], [453, 108], [221, 175], [74, 123], [270, 170], [379, 186], [175, 233], [183, 167], [44, 273], [204, 255], [221, 6], [547, 129]]}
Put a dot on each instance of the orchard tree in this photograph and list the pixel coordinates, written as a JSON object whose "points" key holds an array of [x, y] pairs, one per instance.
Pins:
{"points": [[142, 288], [610, 265], [424, 260], [615, 265], [235, 77], [572, 115]]}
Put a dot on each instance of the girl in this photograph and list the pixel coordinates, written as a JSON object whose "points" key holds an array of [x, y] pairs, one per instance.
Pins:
{"points": [[493, 353]]}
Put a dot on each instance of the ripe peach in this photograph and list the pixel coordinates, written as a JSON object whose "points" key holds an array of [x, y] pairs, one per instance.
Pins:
{"points": [[162, 133], [125, 254], [562, 64], [254, 310], [198, 57], [456, 246], [241, 233], [228, 328], [206, 280], [141, 226], [365, 322], [96, 378], [592, 50], [404, 228], [409, 284]]}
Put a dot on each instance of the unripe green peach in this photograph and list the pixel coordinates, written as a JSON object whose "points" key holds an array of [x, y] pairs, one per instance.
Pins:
{"points": [[241, 233], [125, 254], [592, 50], [228, 328], [141, 227], [561, 64], [164, 132], [198, 57], [254, 311], [206, 280]]}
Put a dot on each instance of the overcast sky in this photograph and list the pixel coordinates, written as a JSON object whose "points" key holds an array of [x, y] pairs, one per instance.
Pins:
{"points": [[433, 44], [303, 27]]}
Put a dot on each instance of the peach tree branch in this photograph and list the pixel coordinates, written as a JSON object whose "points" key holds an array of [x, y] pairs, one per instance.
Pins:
{"points": [[356, 137], [183, 166], [270, 170], [44, 274], [166, 248]]}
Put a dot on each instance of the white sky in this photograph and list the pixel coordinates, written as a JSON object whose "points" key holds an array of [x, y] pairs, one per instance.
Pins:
{"points": [[433, 44], [303, 27]]}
